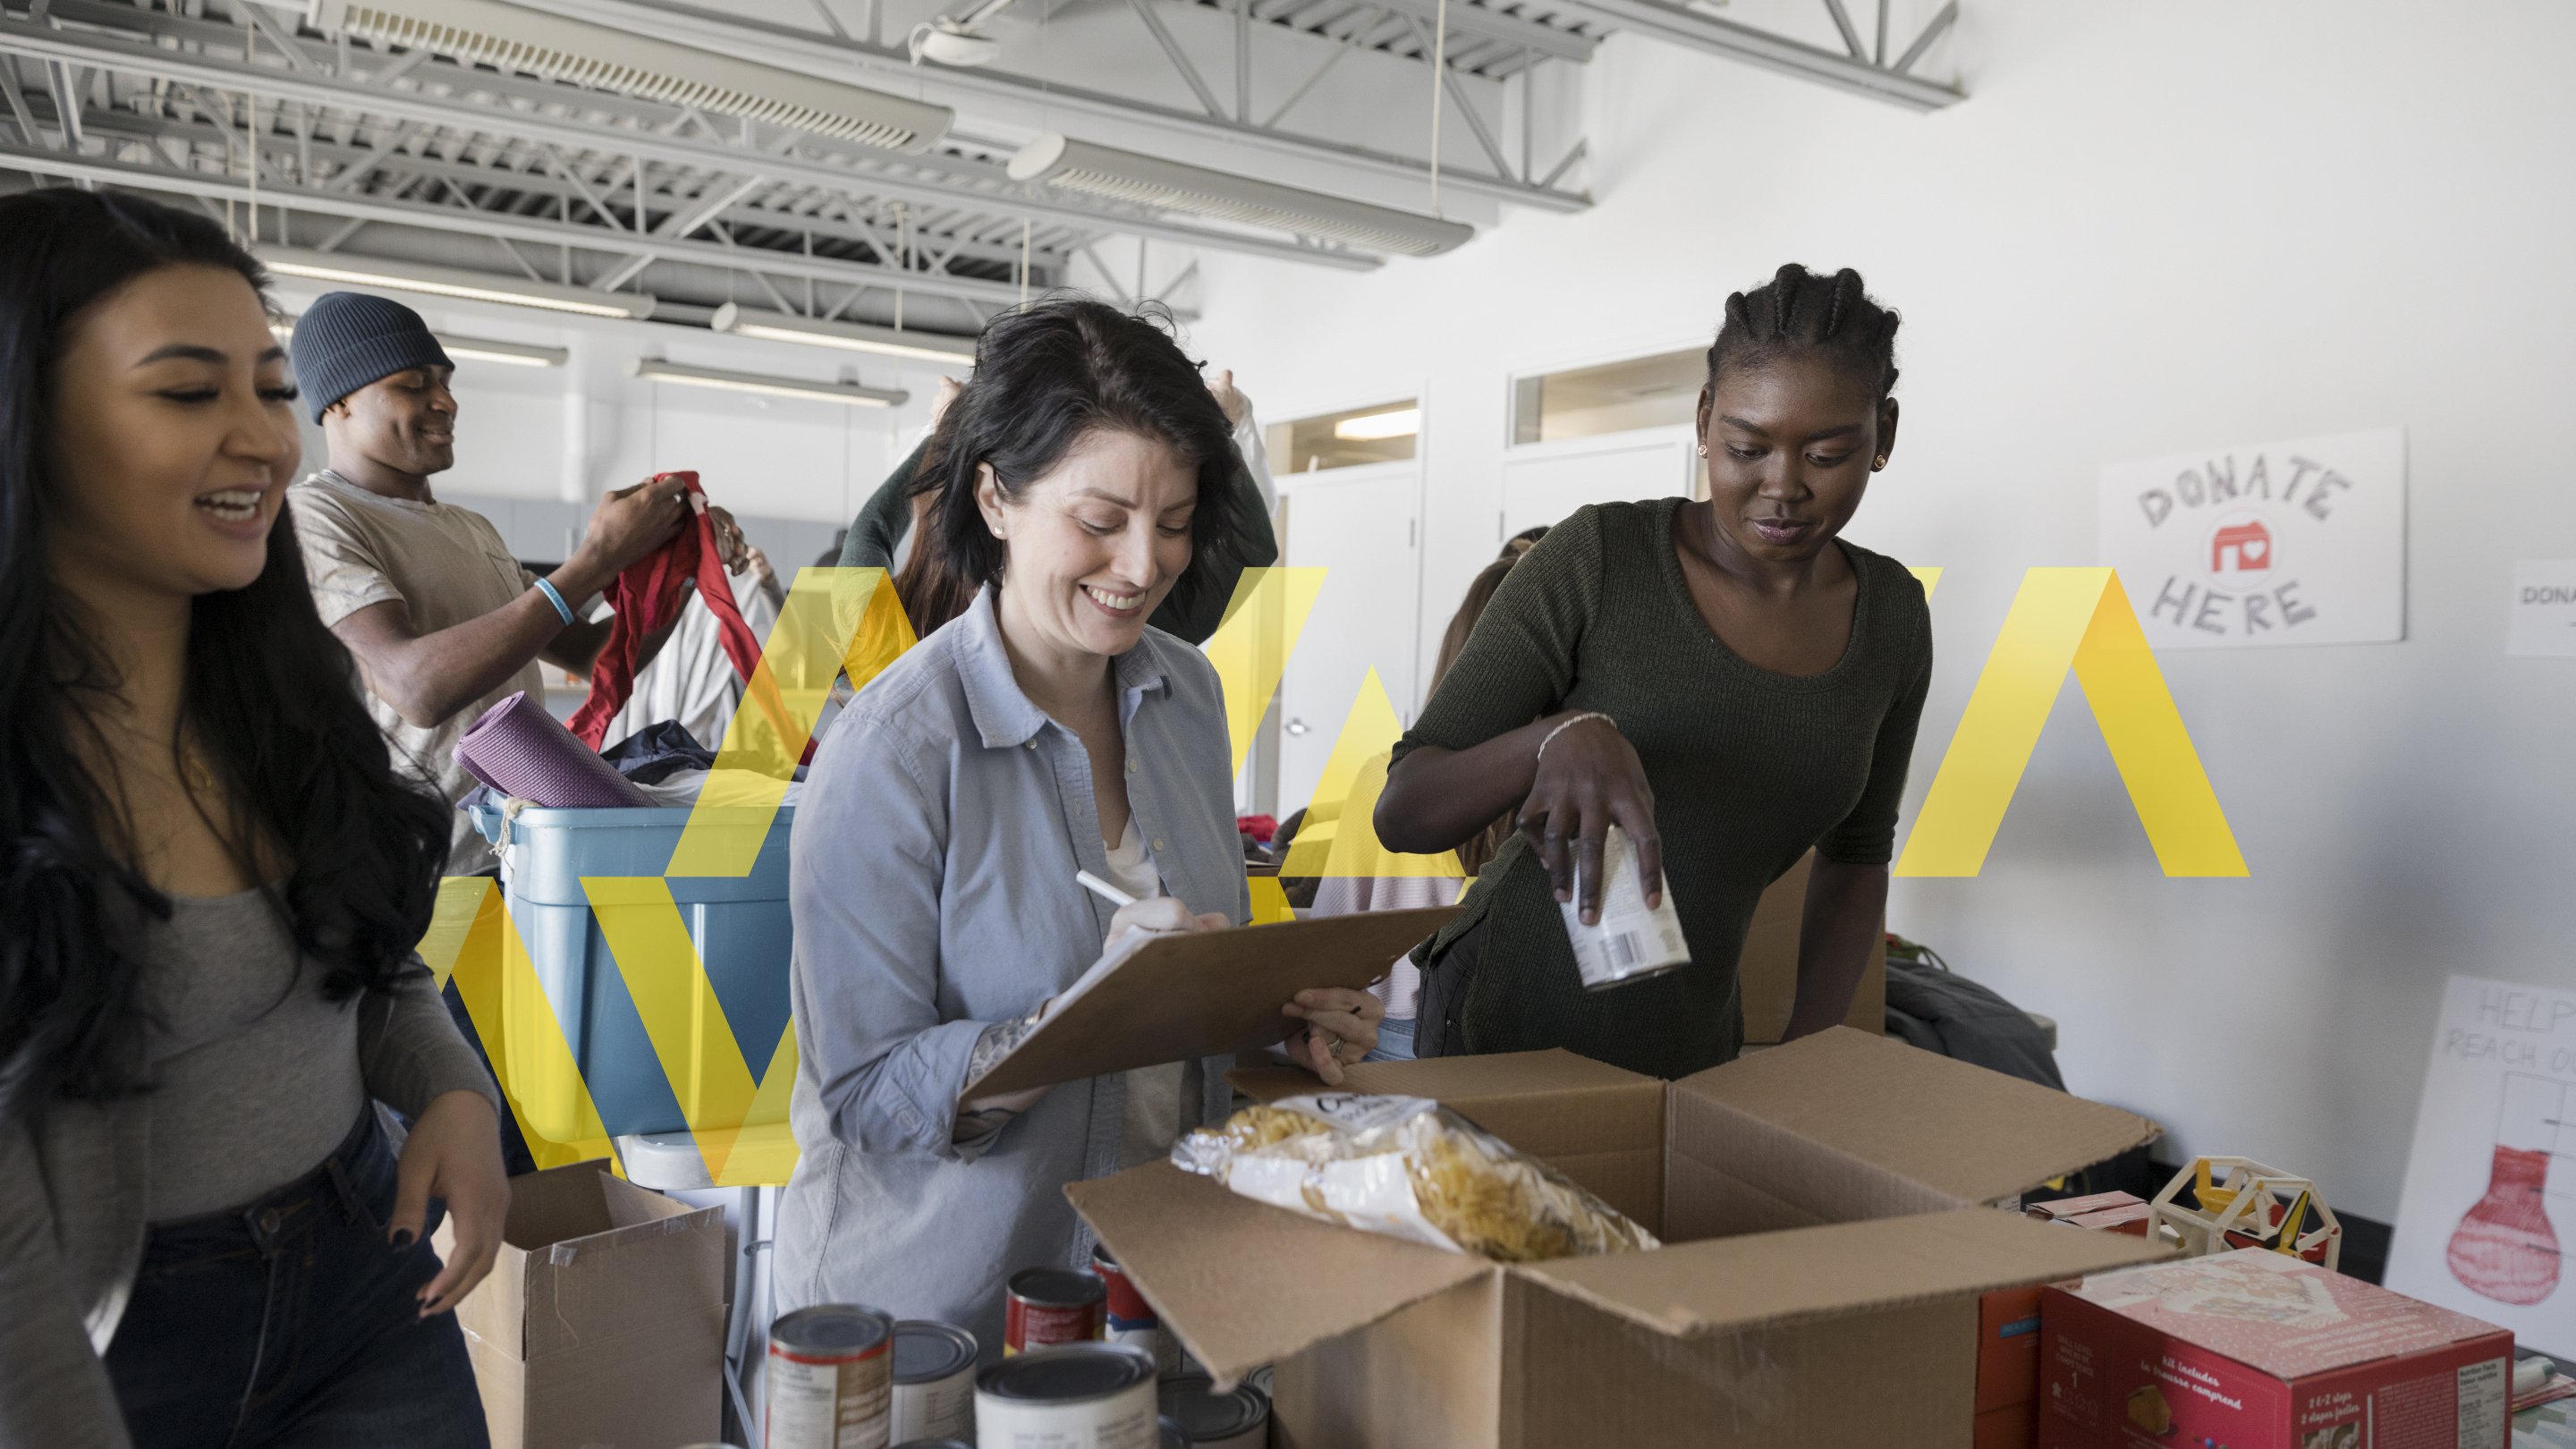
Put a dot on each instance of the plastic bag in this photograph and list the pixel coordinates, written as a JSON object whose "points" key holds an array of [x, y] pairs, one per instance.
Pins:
{"points": [[1410, 1168]]}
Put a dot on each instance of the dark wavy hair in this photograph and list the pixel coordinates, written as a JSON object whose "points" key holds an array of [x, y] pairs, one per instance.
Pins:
{"points": [[1045, 374], [270, 700]]}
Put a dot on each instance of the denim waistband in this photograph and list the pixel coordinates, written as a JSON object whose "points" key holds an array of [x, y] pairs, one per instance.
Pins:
{"points": [[270, 1220]]}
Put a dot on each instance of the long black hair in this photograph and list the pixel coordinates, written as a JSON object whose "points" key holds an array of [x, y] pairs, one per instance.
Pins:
{"points": [[1045, 374], [270, 700]]}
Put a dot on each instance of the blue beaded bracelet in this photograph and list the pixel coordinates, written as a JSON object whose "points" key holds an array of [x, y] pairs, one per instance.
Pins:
{"points": [[555, 597]]}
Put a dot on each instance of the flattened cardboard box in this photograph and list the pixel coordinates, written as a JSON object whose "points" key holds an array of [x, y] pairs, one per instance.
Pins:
{"points": [[1822, 1206], [602, 1324]]}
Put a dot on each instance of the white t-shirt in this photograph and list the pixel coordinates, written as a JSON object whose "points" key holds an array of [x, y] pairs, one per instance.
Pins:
{"points": [[444, 565], [1152, 1121]]}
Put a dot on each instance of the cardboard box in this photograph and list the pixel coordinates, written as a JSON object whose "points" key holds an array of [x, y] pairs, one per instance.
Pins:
{"points": [[602, 1324], [2014, 1426], [2058, 1210], [2007, 1348], [1768, 965], [2254, 1350], [1827, 1247]]}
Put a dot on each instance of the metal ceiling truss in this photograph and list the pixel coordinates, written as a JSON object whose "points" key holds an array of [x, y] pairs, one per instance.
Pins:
{"points": [[1381, 25], [105, 93], [1862, 69]]}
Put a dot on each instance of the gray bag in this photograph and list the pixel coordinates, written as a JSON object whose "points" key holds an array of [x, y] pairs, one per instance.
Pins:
{"points": [[1939, 1010]]}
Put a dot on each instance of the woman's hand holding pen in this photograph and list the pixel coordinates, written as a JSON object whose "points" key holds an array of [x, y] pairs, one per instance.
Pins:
{"points": [[1164, 914], [1341, 1028]]}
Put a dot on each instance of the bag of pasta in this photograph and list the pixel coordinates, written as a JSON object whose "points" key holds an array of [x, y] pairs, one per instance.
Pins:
{"points": [[1410, 1168]]}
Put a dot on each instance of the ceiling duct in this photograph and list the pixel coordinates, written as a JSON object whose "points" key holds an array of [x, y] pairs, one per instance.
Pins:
{"points": [[1072, 165], [531, 42]]}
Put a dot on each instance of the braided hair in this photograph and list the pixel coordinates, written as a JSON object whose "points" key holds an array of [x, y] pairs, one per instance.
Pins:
{"points": [[1798, 309]]}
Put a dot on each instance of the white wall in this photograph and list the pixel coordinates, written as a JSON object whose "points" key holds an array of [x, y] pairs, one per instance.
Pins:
{"points": [[792, 469], [2152, 229]]}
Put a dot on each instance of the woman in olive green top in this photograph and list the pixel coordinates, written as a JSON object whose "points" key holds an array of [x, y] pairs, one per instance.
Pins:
{"points": [[1728, 681]]}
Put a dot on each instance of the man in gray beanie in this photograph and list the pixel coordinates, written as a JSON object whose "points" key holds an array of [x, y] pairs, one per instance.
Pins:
{"points": [[444, 622]]}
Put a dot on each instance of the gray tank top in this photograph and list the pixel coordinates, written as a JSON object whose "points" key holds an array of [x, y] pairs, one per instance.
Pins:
{"points": [[256, 1074]]}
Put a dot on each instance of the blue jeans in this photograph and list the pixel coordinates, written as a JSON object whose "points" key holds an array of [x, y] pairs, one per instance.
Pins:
{"points": [[290, 1322], [1394, 1041]]}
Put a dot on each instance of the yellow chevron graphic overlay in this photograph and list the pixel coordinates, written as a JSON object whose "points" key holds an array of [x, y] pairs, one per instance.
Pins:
{"points": [[472, 942], [1339, 836], [821, 631], [696, 1045], [1251, 645], [2079, 619]]}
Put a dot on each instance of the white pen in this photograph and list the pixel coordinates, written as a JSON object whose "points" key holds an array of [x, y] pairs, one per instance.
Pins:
{"points": [[1103, 889]]}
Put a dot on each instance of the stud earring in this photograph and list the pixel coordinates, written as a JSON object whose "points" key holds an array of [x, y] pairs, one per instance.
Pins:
{"points": [[1881, 462], [1703, 450]]}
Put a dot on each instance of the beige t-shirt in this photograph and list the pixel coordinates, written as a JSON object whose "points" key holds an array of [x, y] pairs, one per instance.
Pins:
{"points": [[445, 565]]}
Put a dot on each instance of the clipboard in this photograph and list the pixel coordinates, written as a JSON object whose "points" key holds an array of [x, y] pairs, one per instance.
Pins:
{"points": [[1203, 994]]}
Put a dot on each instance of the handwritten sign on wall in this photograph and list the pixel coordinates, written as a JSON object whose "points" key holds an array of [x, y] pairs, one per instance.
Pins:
{"points": [[2266, 544], [2490, 1192]]}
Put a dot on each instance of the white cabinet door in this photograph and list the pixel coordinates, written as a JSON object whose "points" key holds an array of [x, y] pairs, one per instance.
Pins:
{"points": [[1544, 482], [1363, 524]]}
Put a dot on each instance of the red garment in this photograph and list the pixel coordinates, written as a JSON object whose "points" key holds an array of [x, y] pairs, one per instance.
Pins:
{"points": [[651, 593]]}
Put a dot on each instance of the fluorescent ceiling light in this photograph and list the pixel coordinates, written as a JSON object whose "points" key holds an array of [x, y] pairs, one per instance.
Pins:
{"points": [[848, 336], [481, 349], [532, 42], [656, 370], [1402, 423], [516, 354], [452, 282], [1072, 165]]}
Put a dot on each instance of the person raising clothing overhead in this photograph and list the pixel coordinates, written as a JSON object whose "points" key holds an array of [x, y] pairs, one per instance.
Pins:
{"points": [[1730, 682], [444, 622], [216, 879], [1046, 731]]}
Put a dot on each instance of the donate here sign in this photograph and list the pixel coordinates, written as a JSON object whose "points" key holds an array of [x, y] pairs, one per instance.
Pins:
{"points": [[2298, 542]]}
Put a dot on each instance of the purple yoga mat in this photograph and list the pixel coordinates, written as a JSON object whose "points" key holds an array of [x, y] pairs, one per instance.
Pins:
{"points": [[520, 750]]}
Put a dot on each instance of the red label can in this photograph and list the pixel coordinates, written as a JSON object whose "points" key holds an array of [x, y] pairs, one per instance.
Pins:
{"points": [[1048, 1306]]}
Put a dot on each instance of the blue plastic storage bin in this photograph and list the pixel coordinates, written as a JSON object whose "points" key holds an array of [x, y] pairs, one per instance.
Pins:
{"points": [[740, 926]]}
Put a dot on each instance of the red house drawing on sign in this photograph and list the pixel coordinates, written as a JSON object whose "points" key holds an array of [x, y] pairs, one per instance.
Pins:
{"points": [[2251, 543]]}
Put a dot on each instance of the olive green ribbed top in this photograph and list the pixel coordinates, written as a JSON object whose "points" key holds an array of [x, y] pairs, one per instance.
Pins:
{"points": [[1749, 769]]}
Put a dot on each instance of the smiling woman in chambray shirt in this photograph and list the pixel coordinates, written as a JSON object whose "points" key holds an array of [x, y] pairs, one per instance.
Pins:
{"points": [[1046, 731]]}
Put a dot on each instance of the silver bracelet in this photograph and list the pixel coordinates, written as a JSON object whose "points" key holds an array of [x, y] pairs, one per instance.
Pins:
{"points": [[1567, 725]]}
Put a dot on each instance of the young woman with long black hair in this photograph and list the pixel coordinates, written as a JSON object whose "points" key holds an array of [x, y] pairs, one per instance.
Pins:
{"points": [[212, 887]]}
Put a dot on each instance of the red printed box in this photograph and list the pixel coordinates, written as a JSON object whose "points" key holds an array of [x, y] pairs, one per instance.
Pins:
{"points": [[2253, 1350]]}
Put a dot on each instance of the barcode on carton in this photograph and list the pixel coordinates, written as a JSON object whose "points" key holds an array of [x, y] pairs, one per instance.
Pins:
{"points": [[1623, 951]]}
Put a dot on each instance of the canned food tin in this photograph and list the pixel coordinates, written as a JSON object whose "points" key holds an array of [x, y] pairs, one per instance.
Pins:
{"points": [[830, 1372], [936, 1444], [1131, 1319], [1048, 1306], [1236, 1419], [934, 1381], [1071, 1396], [1172, 1437]]}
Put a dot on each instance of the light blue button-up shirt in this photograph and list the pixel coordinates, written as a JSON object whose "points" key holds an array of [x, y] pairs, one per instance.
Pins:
{"points": [[932, 879]]}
